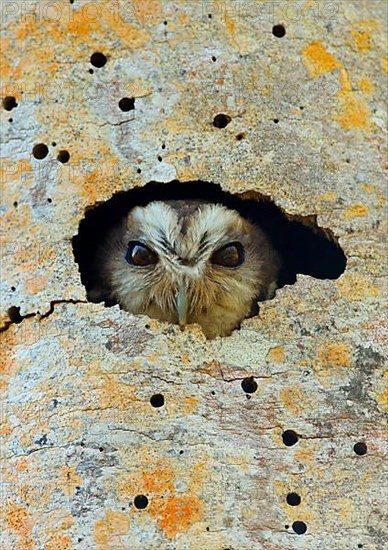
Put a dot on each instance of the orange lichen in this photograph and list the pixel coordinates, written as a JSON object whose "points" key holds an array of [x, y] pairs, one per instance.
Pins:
{"points": [[18, 520], [362, 40], [334, 355], [116, 394], [276, 355], [318, 60], [366, 85], [178, 513], [356, 211], [107, 530], [293, 399], [158, 481], [355, 286], [355, 113]]}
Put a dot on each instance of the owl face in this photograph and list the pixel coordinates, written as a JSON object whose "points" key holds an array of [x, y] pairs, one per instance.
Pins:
{"points": [[189, 262]]}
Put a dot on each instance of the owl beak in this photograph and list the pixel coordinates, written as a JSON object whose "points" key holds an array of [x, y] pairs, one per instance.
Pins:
{"points": [[182, 306]]}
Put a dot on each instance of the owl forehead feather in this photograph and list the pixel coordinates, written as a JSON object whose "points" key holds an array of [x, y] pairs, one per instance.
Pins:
{"points": [[182, 227]]}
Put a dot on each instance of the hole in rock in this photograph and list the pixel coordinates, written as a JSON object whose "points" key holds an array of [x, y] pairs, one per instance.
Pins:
{"points": [[127, 104], [10, 120], [9, 103], [302, 246], [360, 448], [157, 400], [14, 314], [279, 31], [221, 120], [98, 59], [299, 527], [290, 438], [63, 156], [293, 499], [40, 151], [249, 385], [141, 502]]}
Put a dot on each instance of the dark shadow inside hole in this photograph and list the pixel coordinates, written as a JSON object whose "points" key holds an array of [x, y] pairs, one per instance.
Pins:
{"points": [[98, 59], [14, 314], [140, 502], [221, 120], [299, 527], [303, 246], [127, 104], [40, 151], [9, 103]]}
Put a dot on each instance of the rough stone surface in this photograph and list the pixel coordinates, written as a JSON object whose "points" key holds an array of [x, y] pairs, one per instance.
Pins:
{"points": [[79, 437]]}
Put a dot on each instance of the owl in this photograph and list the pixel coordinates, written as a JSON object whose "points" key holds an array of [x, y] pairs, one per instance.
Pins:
{"points": [[187, 261]]}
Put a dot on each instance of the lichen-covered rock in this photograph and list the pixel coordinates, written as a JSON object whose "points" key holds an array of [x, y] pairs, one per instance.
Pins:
{"points": [[90, 458]]}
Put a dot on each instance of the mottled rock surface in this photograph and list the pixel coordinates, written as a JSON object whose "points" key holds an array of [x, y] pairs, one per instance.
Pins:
{"points": [[80, 439]]}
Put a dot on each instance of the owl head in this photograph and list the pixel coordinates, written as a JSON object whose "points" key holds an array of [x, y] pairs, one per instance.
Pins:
{"points": [[188, 262]]}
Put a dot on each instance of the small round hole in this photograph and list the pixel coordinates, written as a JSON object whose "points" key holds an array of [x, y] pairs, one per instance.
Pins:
{"points": [[98, 59], [138, 170], [40, 151], [9, 103], [13, 288], [290, 438], [141, 502], [360, 448], [160, 158], [279, 31], [165, 22], [163, 145], [214, 58], [240, 136], [127, 103], [15, 204], [221, 120], [10, 120], [293, 499], [91, 71], [63, 156], [53, 144], [249, 385], [14, 314], [210, 16], [101, 449], [299, 527], [49, 200], [276, 120], [157, 400]]}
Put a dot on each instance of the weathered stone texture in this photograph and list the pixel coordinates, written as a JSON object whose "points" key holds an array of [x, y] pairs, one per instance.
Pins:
{"points": [[79, 437]]}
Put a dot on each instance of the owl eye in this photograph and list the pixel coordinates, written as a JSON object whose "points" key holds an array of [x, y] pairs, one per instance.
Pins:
{"points": [[140, 255], [230, 255]]}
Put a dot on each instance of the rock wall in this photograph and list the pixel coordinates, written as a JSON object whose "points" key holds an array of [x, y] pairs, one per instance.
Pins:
{"points": [[119, 432]]}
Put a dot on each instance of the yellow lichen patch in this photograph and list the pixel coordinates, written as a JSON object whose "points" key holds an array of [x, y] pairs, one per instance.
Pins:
{"points": [[384, 63], [366, 85], [356, 211], [329, 196], [177, 513], [355, 112], [362, 40], [354, 286], [334, 355], [17, 519], [318, 60], [108, 530], [293, 399], [33, 286], [276, 355]]}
